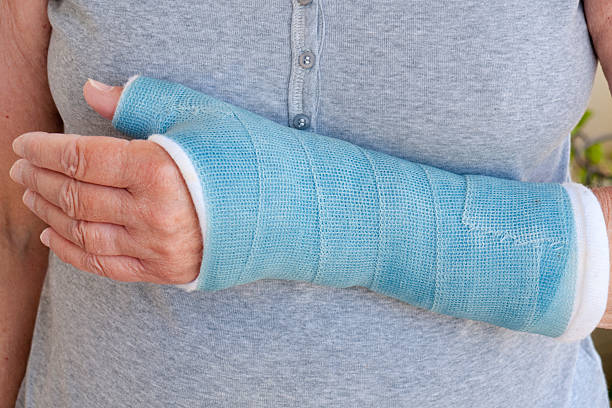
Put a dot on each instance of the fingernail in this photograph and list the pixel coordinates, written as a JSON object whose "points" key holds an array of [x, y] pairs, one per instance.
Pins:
{"points": [[28, 198], [44, 237], [18, 146], [16, 172], [99, 85]]}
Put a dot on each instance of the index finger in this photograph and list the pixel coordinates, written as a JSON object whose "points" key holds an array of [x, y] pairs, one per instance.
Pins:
{"points": [[94, 159]]}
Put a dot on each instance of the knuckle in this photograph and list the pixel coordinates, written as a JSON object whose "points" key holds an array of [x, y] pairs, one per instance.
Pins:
{"points": [[169, 251], [94, 264], [165, 176], [165, 250], [73, 159], [87, 237], [168, 225], [167, 171], [69, 200], [70, 158], [78, 233], [156, 216], [160, 222]]}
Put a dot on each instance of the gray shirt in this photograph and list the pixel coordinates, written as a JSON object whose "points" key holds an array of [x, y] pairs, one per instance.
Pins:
{"points": [[468, 86]]}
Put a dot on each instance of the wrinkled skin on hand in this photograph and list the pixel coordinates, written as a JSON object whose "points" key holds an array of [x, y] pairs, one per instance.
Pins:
{"points": [[115, 208]]}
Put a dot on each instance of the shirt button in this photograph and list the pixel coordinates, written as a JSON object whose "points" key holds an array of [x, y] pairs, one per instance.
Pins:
{"points": [[306, 59], [301, 121], [304, 2]]}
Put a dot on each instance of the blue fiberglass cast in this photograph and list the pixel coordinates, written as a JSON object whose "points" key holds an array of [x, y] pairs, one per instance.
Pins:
{"points": [[279, 203]]}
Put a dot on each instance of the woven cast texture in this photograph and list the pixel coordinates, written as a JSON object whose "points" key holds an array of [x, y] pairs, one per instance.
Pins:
{"points": [[288, 204]]}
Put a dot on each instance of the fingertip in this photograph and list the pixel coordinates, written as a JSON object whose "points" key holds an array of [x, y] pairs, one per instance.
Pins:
{"points": [[102, 98], [44, 236], [18, 147], [19, 143]]}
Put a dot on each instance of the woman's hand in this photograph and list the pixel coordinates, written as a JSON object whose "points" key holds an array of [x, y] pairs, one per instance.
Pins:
{"points": [[604, 196], [114, 207]]}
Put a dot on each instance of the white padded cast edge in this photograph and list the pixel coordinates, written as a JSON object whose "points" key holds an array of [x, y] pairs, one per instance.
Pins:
{"points": [[193, 185], [129, 83], [593, 271]]}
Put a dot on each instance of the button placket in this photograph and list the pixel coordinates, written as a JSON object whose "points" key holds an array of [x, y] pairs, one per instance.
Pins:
{"points": [[302, 81]]}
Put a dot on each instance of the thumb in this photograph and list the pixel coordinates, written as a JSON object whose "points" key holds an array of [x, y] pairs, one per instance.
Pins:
{"points": [[102, 98], [147, 106]]}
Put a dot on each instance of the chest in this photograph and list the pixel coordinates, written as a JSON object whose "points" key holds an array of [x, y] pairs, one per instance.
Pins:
{"points": [[469, 86]]}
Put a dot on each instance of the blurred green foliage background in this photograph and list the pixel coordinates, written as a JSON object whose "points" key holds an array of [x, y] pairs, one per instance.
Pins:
{"points": [[591, 157]]}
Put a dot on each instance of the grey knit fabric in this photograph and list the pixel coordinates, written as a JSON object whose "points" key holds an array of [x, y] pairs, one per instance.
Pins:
{"points": [[468, 86]]}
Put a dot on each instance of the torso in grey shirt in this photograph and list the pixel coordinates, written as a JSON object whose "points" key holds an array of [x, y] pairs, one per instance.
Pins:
{"points": [[469, 86]]}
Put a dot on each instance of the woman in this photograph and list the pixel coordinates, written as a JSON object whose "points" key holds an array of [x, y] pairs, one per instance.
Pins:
{"points": [[444, 85]]}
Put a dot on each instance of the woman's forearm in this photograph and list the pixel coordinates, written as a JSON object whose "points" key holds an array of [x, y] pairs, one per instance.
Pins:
{"points": [[279, 203], [25, 104], [598, 15]]}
